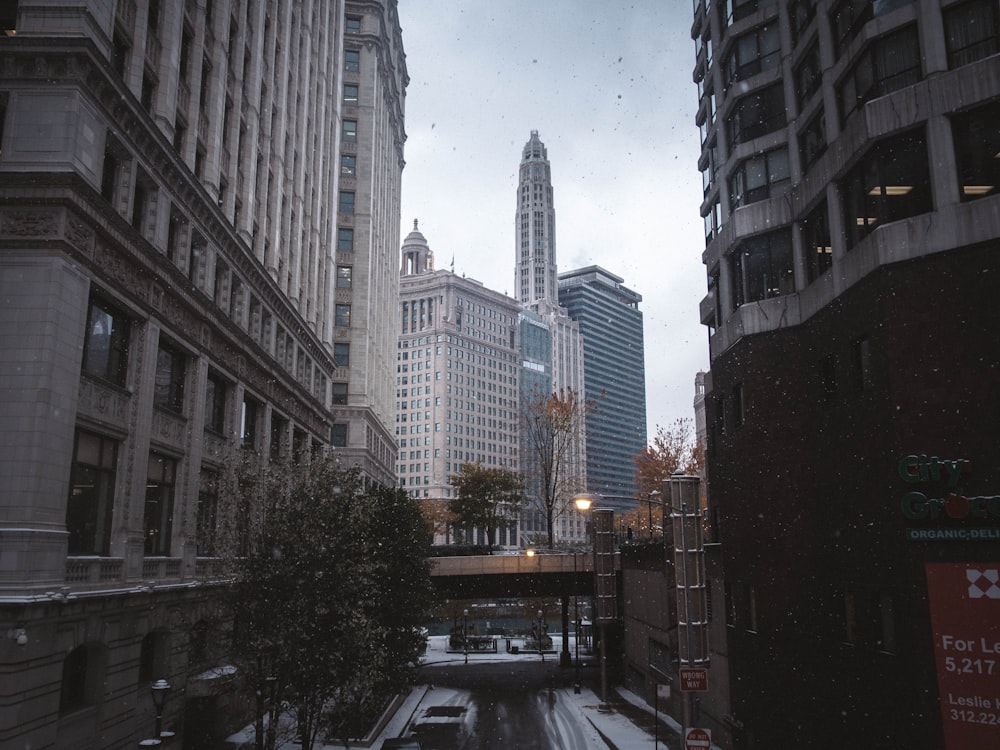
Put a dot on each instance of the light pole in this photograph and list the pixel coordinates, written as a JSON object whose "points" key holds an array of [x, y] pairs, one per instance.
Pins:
{"points": [[582, 503], [540, 652], [465, 634], [654, 497], [159, 689]]}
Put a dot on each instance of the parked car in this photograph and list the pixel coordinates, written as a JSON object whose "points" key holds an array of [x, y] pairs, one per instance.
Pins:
{"points": [[402, 743]]}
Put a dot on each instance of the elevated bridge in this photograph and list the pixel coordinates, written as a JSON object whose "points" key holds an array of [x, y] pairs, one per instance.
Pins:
{"points": [[516, 576]]}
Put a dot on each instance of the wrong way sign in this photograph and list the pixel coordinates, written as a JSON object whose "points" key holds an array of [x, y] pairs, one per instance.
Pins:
{"points": [[696, 738]]}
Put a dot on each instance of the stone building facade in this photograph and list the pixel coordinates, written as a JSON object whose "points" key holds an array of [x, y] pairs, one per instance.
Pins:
{"points": [[198, 234]]}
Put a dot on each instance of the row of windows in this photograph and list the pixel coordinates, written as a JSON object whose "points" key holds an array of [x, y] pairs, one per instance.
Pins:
{"points": [[890, 183], [887, 64]]}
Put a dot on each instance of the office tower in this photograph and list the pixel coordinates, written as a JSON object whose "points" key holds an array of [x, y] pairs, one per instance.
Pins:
{"points": [[457, 375], [536, 281], [852, 223], [614, 373], [199, 221]]}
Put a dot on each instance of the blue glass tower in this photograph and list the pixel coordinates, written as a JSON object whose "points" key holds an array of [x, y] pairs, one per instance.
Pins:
{"points": [[614, 376]]}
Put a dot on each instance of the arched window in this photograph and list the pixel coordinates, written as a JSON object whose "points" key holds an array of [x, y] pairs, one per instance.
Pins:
{"points": [[83, 678]]}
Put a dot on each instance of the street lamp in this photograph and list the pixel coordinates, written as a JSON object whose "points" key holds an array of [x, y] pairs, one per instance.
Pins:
{"points": [[540, 652], [583, 503], [654, 497], [159, 689], [465, 634]]}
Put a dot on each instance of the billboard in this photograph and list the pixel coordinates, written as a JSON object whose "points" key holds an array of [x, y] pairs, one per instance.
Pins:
{"points": [[965, 618]]}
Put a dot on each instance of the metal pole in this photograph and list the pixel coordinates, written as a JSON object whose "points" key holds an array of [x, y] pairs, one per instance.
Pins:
{"points": [[540, 652], [465, 634], [576, 630]]}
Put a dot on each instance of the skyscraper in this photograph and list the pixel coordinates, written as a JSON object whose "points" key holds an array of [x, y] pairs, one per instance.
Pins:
{"points": [[199, 216], [544, 319], [457, 378], [852, 226], [615, 376]]}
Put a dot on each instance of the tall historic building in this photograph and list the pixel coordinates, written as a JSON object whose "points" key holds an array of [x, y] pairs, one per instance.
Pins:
{"points": [[536, 280], [615, 376], [457, 376], [852, 225], [198, 239]]}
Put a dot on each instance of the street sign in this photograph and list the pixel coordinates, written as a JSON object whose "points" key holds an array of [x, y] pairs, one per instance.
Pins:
{"points": [[693, 679], [662, 690], [696, 738]]}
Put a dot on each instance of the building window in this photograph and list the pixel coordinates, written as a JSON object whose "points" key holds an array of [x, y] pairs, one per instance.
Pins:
{"points": [[847, 19], [349, 130], [754, 53], [168, 390], [890, 183], [348, 165], [713, 221], [346, 202], [345, 239], [352, 25], [338, 435], [971, 32], [215, 404], [888, 64], [801, 14], [342, 355], [82, 678], [208, 510], [739, 415], [862, 364], [350, 95], [153, 656], [105, 344], [340, 394], [812, 140], [816, 242], [977, 143], [159, 516], [759, 177], [352, 60], [757, 114], [91, 495], [344, 277], [737, 10], [249, 420], [762, 268], [342, 316], [808, 75]]}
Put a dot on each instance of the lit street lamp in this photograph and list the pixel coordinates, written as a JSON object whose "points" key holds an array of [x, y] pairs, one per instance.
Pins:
{"points": [[582, 503]]}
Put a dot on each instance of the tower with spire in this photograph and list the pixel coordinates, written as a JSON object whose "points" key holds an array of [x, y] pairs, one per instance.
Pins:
{"points": [[535, 227]]}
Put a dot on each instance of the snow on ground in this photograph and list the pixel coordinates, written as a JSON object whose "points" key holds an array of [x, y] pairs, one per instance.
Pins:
{"points": [[616, 728]]}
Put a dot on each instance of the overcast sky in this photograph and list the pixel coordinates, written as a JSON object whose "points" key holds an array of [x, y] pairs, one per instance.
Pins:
{"points": [[608, 87]]}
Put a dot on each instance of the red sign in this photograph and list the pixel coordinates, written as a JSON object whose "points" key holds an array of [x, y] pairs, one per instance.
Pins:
{"points": [[965, 617], [697, 739], [693, 679]]}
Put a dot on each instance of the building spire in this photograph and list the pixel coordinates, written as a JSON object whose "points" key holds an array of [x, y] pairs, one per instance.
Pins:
{"points": [[535, 227]]}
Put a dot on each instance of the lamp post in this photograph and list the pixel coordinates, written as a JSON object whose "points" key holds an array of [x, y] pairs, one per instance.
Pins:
{"points": [[159, 689], [540, 652], [465, 634], [654, 497], [583, 503]]}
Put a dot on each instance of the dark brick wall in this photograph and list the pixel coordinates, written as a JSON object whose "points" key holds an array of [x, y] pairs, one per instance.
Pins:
{"points": [[808, 493]]}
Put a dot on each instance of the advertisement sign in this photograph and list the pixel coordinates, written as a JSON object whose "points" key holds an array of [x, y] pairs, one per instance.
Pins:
{"points": [[965, 618]]}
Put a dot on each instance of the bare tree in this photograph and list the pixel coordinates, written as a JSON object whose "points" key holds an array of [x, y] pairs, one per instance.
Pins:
{"points": [[673, 449], [554, 429]]}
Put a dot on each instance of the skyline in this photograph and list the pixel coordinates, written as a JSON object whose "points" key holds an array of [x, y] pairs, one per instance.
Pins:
{"points": [[611, 96]]}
